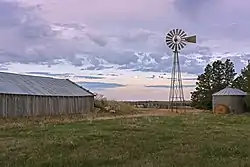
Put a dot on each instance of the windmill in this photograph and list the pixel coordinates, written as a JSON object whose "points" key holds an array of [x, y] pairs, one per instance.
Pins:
{"points": [[176, 40]]}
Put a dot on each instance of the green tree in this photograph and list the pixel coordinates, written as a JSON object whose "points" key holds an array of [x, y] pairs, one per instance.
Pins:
{"points": [[242, 82], [199, 98], [217, 76]]}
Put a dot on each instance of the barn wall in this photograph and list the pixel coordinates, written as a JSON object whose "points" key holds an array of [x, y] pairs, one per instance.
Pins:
{"points": [[22, 105], [236, 104]]}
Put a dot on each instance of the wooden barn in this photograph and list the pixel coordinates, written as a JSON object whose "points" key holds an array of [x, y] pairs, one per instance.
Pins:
{"points": [[25, 95]]}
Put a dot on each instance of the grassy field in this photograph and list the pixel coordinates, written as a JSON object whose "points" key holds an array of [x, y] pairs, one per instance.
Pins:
{"points": [[195, 140]]}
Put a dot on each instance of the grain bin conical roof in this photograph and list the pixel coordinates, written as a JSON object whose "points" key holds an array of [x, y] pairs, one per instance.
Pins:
{"points": [[230, 92]]}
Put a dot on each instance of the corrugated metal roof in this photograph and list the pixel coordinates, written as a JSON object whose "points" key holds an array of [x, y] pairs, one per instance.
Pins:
{"points": [[11, 83], [230, 92]]}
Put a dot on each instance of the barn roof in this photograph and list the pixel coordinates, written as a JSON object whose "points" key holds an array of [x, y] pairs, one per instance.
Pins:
{"points": [[230, 92], [11, 83]]}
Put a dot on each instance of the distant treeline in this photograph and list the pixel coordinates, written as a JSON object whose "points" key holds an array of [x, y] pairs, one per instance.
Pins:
{"points": [[153, 104]]}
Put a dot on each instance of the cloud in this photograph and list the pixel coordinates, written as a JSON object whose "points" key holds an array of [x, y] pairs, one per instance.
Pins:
{"points": [[239, 61], [51, 74], [100, 85], [137, 35], [89, 77], [21, 27], [193, 8], [168, 86], [38, 41], [113, 35], [3, 68], [66, 75], [187, 79], [99, 40], [51, 34], [225, 21], [48, 44], [99, 11]]}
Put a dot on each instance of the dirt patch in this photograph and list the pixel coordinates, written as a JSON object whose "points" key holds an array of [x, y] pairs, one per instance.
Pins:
{"points": [[147, 112], [42, 121]]}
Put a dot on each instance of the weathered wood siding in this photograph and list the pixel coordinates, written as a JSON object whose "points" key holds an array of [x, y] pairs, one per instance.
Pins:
{"points": [[27, 105]]}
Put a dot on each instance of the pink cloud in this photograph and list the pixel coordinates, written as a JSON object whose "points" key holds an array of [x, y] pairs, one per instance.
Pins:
{"points": [[83, 10]]}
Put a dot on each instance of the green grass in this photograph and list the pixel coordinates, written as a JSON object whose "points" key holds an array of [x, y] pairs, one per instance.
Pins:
{"points": [[195, 140]]}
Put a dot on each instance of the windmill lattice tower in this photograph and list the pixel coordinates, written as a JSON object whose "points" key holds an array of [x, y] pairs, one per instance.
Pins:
{"points": [[176, 40]]}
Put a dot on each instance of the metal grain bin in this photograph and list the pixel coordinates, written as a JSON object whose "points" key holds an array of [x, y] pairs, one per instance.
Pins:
{"points": [[229, 99]]}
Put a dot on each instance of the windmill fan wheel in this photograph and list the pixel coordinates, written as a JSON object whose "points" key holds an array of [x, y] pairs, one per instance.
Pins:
{"points": [[221, 109]]}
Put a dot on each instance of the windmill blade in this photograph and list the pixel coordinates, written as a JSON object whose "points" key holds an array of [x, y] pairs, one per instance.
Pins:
{"points": [[173, 47], [170, 45], [174, 31], [191, 39], [180, 31], [171, 33], [169, 36], [179, 47], [176, 48], [177, 31], [182, 44], [182, 34], [168, 42]]}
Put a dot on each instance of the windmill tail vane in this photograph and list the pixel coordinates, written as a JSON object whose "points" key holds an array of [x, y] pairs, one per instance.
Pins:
{"points": [[191, 39], [176, 40]]}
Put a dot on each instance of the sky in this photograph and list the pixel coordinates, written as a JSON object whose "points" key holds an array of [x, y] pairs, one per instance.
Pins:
{"points": [[117, 47]]}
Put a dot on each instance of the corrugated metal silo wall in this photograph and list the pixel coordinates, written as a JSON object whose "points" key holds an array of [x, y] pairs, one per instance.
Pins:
{"points": [[236, 104], [26, 105]]}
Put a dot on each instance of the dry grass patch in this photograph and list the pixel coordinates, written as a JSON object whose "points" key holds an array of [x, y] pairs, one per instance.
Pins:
{"points": [[102, 105]]}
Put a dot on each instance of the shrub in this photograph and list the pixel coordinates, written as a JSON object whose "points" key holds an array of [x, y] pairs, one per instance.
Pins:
{"points": [[102, 104]]}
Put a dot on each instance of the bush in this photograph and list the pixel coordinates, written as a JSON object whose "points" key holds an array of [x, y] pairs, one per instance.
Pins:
{"points": [[102, 104]]}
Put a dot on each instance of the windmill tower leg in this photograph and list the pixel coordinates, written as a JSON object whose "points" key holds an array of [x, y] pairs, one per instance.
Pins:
{"points": [[176, 95]]}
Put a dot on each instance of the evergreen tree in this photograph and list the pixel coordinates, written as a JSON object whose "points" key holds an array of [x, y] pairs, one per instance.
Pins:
{"points": [[243, 82], [199, 97], [217, 76], [229, 72]]}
